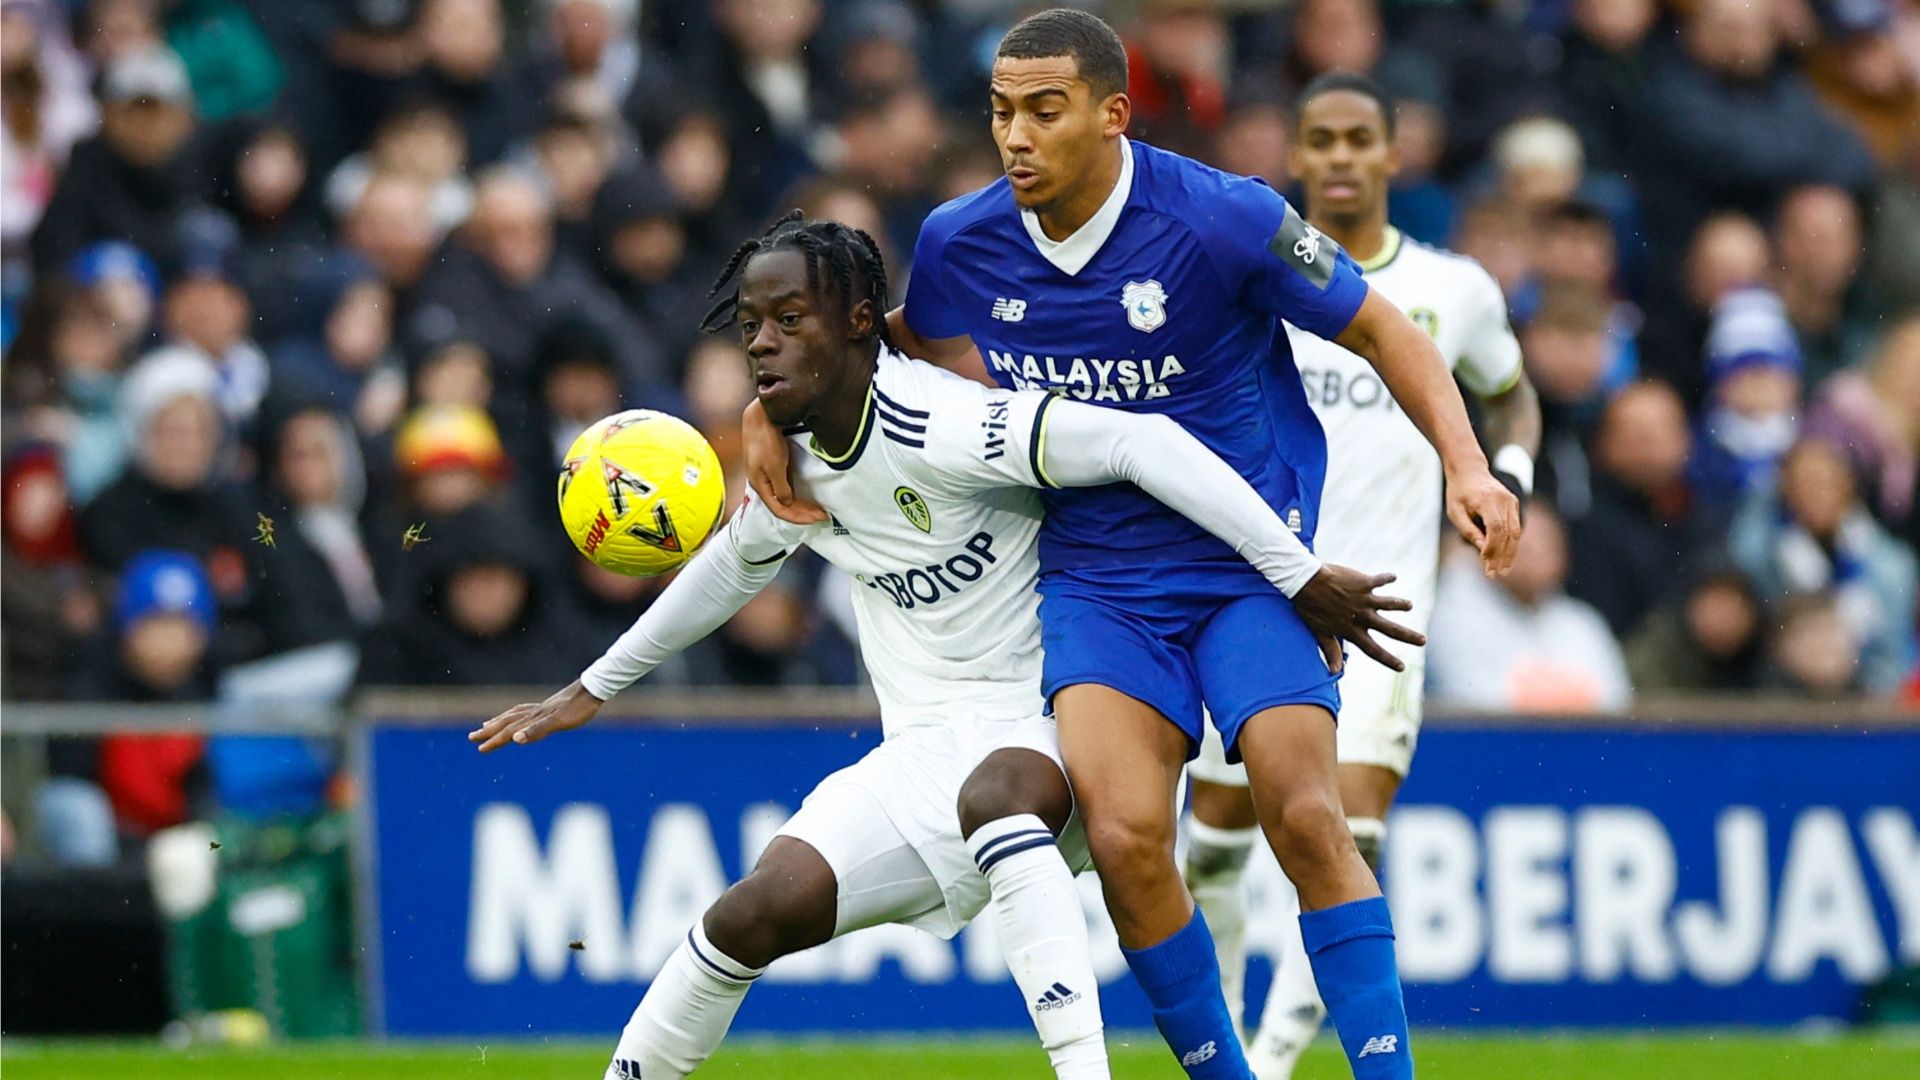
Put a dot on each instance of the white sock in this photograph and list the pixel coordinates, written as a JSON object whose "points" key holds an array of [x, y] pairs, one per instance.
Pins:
{"points": [[1293, 1013], [1216, 876], [1043, 935], [685, 1013]]}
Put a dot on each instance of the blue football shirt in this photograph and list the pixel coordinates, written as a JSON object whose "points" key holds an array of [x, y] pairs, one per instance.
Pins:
{"points": [[1168, 300]]}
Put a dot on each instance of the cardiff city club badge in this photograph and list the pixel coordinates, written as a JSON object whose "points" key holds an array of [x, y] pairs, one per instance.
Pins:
{"points": [[1146, 304]]}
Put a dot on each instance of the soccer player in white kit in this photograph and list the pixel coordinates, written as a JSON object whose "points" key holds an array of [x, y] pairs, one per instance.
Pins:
{"points": [[929, 482], [1381, 509]]}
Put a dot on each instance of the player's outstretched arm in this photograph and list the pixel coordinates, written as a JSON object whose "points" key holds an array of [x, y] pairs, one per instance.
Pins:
{"points": [[715, 585], [1481, 507], [1086, 445]]}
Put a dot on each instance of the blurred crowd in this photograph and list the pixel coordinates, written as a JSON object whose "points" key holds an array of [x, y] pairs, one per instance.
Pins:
{"points": [[304, 299]]}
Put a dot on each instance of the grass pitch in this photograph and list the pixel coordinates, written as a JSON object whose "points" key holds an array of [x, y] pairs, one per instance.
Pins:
{"points": [[1704, 1056]]}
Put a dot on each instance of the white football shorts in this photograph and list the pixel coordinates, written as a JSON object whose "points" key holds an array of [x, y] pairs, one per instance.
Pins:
{"points": [[889, 825], [1379, 721]]}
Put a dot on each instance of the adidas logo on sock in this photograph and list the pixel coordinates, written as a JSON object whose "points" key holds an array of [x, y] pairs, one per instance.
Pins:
{"points": [[623, 1069], [1195, 1057], [1056, 997], [1380, 1044]]}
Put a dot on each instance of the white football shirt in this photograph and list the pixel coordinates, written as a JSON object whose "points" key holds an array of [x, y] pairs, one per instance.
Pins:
{"points": [[1381, 509]]}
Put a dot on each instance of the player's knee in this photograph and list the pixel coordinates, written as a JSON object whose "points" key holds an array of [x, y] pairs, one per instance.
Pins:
{"points": [[1134, 850], [1311, 832], [757, 922], [994, 793]]}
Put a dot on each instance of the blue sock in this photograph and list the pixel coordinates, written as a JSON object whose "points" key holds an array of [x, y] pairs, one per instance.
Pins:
{"points": [[1351, 949], [1181, 976]]}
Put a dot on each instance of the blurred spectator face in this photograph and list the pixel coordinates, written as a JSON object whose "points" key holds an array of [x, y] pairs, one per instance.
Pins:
{"points": [[1815, 648], [1540, 563], [446, 491], [1721, 617], [768, 30], [1344, 156], [1499, 238], [1728, 252], [1420, 137], [847, 205], [1816, 486], [121, 27], [575, 161], [486, 599], [392, 226], [622, 590], [1540, 160], [1896, 374], [1255, 141], [458, 373], [1872, 65], [1337, 35], [425, 143], [86, 340], [163, 651], [177, 450], [1189, 39], [312, 459], [451, 455], [1615, 25], [876, 61], [971, 168], [894, 142], [694, 160], [1565, 343], [360, 327], [209, 312], [1643, 441], [273, 170], [146, 131], [649, 249], [1735, 39], [581, 31], [718, 387], [37, 520], [581, 392], [512, 228], [1759, 390], [22, 88], [1818, 237], [1577, 250], [464, 39]]}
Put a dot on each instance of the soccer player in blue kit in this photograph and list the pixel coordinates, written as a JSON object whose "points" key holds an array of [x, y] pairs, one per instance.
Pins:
{"points": [[1113, 272]]}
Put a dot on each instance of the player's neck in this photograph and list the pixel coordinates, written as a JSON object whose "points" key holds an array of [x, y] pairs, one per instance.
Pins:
{"points": [[836, 426], [1065, 216], [1364, 238]]}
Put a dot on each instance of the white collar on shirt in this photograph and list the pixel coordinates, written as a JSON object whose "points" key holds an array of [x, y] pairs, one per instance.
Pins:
{"points": [[1075, 252]]}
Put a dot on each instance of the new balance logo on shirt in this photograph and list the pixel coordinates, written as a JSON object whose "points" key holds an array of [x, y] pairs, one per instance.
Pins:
{"points": [[1380, 1044], [1009, 310], [1195, 1057], [1056, 997]]}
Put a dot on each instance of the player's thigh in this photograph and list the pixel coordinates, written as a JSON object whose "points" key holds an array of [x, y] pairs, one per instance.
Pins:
{"points": [[1254, 654], [1090, 642], [1380, 712], [879, 874], [1015, 780], [1219, 795], [1123, 759]]}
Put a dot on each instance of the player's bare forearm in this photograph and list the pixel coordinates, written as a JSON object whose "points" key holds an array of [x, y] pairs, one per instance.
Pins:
{"points": [[956, 354], [1480, 506], [1513, 418], [1418, 377]]}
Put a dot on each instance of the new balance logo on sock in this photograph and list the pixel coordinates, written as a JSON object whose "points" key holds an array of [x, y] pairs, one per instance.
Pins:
{"points": [[1056, 997], [1205, 1053], [1380, 1044]]}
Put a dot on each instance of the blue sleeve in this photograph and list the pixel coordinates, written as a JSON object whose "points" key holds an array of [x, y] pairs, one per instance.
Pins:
{"points": [[931, 312], [1279, 264]]}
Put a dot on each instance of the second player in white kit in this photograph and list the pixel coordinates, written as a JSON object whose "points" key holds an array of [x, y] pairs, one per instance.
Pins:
{"points": [[1382, 508]]}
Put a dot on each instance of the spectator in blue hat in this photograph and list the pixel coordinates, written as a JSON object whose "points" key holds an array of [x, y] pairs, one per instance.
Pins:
{"points": [[1753, 399], [127, 283], [164, 619]]}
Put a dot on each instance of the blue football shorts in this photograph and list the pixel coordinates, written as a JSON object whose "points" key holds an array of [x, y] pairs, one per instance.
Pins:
{"points": [[1227, 639]]}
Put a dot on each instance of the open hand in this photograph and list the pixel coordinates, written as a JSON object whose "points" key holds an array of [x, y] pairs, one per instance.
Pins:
{"points": [[767, 462], [1487, 515], [1340, 604], [529, 723]]}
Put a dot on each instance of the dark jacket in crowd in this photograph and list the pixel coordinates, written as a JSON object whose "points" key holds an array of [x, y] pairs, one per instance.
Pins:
{"points": [[104, 197], [1629, 554]]}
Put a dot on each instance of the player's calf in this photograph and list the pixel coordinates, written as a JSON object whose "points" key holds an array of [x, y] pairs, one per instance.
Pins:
{"points": [[1012, 809]]}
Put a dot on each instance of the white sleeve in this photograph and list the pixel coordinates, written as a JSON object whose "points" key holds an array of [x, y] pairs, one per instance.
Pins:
{"points": [[981, 437], [716, 584], [1489, 361], [1080, 445]]}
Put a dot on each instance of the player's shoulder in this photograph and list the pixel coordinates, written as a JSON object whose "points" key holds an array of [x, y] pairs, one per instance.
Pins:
{"points": [[984, 208], [1193, 191], [921, 393]]}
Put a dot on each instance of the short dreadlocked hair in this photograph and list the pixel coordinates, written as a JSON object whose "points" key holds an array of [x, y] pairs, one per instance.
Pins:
{"points": [[843, 263]]}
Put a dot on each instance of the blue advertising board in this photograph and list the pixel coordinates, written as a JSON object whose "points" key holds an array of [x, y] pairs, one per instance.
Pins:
{"points": [[1550, 877]]}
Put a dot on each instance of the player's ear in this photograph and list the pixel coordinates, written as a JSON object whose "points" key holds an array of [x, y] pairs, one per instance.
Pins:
{"points": [[860, 320], [1119, 111]]}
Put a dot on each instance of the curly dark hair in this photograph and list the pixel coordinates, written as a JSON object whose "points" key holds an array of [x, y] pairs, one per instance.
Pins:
{"points": [[843, 265]]}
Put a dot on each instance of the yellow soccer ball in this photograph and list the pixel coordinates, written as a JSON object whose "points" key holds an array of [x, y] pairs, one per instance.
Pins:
{"points": [[640, 491]]}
